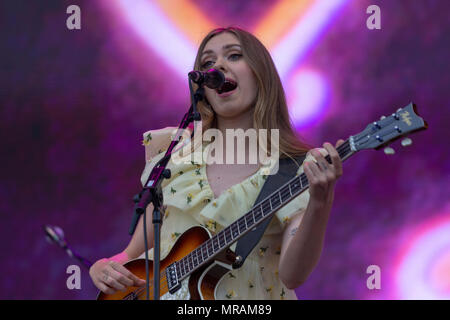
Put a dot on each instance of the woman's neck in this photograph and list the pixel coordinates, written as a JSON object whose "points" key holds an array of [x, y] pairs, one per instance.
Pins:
{"points": [[244, 122]]}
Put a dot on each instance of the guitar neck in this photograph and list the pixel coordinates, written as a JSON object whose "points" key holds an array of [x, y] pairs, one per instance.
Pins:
{"points": [[260, 212]]}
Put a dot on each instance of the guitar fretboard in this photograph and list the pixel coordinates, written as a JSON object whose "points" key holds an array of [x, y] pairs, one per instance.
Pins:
{"points": [[264, 209]]}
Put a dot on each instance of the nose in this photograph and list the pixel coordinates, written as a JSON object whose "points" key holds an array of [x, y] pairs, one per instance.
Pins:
{"points": [[220, 64]]}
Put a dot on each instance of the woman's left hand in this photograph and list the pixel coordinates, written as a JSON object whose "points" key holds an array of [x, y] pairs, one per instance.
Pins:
{"points": [[322, 176]]}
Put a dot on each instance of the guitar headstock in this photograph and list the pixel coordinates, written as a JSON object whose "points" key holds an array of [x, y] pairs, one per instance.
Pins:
{"points": [[388, 129]]}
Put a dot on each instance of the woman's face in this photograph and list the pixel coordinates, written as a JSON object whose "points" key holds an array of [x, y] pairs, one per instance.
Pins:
{"points": [[223, 52]]}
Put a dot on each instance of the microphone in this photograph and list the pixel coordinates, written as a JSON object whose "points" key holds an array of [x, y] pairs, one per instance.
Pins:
{"points": [[55, 235], [212, 78]]}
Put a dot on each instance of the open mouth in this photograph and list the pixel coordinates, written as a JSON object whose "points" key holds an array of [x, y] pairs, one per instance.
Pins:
{"points": [[228, 85]]}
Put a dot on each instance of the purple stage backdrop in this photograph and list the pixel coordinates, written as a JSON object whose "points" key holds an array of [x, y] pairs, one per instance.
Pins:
{"points": [[75, 102]]}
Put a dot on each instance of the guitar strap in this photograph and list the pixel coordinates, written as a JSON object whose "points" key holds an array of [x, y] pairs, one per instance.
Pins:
{"points": [[287, 170]]}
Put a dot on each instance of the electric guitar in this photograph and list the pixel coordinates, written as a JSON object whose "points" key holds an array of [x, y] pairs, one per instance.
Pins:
{"points": [[198, 261]]}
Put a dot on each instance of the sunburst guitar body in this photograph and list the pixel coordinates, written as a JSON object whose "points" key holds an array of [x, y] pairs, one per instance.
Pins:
{"points": [[199, 285]]}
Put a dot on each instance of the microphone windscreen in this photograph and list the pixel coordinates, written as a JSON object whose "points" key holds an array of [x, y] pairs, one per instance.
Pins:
{"points": [[214, 79]]}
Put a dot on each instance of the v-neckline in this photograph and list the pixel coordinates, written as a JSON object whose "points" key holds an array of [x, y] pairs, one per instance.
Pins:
{"points": [[205, 176]]}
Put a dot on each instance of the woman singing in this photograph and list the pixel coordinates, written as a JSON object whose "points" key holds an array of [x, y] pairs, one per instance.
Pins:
{"points": [[214, 195]]}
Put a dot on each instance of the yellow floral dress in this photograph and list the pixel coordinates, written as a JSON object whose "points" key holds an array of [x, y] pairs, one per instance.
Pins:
{"points": [[190, 202]]}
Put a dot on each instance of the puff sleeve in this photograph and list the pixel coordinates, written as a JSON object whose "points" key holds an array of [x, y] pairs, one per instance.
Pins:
{"points": [[156, 143]]}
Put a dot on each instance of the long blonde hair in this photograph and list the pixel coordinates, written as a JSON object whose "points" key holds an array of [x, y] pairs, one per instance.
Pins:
{"points": [[270, 110]]}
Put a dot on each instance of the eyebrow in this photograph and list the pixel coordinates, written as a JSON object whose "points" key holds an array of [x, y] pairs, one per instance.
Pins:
{"points": [[227, 46]]}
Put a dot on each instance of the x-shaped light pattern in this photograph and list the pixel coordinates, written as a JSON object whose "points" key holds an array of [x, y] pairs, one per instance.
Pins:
{"points": [[174, 28]]}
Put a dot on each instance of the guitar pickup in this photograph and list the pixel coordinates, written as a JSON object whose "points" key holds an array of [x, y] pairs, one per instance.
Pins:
{"points": [[173, 283]]}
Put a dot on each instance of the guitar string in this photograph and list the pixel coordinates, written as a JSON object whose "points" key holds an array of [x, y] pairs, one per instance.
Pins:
{"points": [[138, 292]]}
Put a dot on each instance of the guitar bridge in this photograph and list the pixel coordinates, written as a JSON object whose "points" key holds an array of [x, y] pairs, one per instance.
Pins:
{"points": [[173, 283]]}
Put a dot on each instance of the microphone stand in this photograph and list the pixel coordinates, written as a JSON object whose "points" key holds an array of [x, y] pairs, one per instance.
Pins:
{"points": [[152, 192], [55, 235]]}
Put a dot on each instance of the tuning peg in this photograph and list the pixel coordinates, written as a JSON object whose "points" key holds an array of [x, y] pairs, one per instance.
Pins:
{"points": [[382, 117], [406, 142], [389, 150]]}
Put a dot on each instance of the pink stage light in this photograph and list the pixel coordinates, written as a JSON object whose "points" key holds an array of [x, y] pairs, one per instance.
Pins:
{"points": [[423, 267], [307, 97]]}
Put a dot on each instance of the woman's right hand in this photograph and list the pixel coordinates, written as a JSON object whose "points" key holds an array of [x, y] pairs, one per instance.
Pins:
{"points": [[110, 276]]}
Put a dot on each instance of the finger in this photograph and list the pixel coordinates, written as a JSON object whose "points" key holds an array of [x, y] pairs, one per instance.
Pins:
{"points": [[308, 172], [322, 163], [104, 288], [120, 268], [316, 176], [111, 282], [339, 142], [121, 278]]}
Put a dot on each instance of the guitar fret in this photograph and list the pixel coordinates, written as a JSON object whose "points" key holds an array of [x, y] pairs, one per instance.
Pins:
{"points": [[194, 263], [218, 244], [248, 216], [218, 240], [178, 270], [258, 212], [240, 228], [306, 180], [181, 267], [184, 266], [212, 246], [201, 256], [284, 194], [275, 203], [235, 232], [204, 252], [290, 191], [225, 233], [224, 239], [264, 209], [196, 258]]}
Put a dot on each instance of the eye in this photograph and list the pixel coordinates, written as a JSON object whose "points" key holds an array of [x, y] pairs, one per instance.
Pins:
{"points": [[207, 64], [234, 56]]}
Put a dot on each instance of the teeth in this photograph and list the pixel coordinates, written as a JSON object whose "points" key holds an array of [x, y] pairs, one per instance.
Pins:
{"points": [[227, 84]]}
